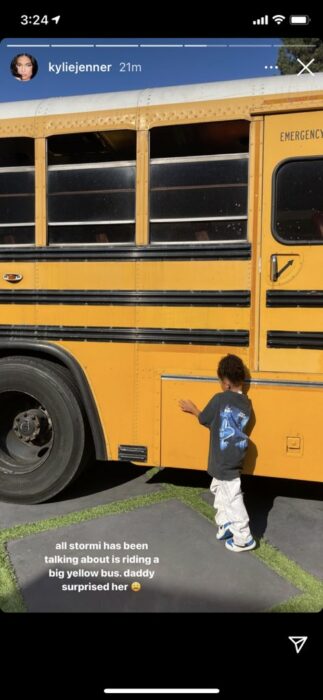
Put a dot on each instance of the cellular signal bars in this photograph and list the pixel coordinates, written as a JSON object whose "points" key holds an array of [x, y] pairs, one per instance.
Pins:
{"points": [[261, 20]]}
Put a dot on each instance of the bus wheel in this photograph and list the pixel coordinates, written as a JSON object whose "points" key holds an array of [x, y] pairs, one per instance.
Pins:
{"points": [[42, 431]]}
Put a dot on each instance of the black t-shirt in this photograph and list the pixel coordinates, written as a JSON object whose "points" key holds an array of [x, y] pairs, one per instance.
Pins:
{"points": [[226, 414]]}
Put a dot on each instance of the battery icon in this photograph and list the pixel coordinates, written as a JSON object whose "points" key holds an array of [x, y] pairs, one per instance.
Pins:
{"points": [[299, 19]]}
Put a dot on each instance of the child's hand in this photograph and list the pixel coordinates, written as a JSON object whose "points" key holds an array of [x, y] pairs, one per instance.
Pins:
{"points": [[189, 407]]}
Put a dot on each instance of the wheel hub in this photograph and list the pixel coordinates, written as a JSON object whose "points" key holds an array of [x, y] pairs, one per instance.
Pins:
{"points": [[31, 424]]}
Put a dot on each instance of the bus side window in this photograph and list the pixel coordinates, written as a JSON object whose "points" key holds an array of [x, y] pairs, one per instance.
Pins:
{"points": [[91, 188], [199, 182], [17, 191]]}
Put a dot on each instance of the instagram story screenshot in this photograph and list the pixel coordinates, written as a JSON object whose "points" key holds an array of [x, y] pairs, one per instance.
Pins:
{"points": [[161, 352]]}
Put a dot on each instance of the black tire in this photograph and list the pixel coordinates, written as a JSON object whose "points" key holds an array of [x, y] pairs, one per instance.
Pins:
{"points": [[42, 430], [88, 452]]}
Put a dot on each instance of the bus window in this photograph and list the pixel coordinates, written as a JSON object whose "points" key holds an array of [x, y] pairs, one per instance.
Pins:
{"points": [[91, 188], [298, 215], [199, 182], [17, 191]]}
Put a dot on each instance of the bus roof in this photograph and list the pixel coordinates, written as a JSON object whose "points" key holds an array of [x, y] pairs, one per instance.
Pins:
{"points": [[251, 87]]}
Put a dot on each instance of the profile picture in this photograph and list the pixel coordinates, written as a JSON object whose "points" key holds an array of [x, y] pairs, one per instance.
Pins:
{"points": [[24, 67]]}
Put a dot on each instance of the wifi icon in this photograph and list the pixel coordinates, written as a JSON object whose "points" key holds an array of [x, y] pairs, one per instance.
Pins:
{"points": [[278, 18]]}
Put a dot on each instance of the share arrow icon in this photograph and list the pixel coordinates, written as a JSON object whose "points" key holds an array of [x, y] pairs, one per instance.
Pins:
{"points": [[298, 642]]}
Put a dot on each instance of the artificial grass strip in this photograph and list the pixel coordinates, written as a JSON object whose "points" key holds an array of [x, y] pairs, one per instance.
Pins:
{"points": [[152, 472], [299, 604], [19, 531], [288, 569], [10, 597]]}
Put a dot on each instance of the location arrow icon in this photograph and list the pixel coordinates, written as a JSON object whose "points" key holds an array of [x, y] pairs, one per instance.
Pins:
{"points": [[298, 642]]}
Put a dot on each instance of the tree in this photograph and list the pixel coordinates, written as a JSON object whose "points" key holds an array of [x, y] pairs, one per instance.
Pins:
{"points": [[289, 53]]}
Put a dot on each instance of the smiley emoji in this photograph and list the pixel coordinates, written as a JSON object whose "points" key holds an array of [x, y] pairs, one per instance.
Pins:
{"points": [[135, 586]]}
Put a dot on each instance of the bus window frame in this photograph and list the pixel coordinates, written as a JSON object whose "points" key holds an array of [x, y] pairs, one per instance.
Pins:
{"points": [[85, 166], [199, 220], [274, 233], [20, 169]]}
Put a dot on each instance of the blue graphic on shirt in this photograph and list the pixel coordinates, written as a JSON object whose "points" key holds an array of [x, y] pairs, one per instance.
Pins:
{"points": [[231, 428]]}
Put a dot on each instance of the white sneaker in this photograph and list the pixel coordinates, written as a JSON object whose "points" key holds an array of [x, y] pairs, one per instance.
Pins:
{"points": [[230, 544]]}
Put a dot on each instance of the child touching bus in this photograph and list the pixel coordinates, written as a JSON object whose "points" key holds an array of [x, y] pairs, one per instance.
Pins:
{"points": [[226, 415]]}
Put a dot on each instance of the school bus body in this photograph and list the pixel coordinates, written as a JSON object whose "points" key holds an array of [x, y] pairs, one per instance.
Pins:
{"points": [[147, 323]]}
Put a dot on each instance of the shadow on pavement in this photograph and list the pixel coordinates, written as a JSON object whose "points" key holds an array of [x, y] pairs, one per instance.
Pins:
{"points": [[100, 476], [181, 477], [260, 494]]}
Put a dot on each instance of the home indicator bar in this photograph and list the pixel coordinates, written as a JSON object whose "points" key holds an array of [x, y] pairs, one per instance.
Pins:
{"points": [[161, 691]]}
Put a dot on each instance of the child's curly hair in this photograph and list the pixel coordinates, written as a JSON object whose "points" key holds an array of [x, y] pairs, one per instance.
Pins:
{"points": [[232, 368]]}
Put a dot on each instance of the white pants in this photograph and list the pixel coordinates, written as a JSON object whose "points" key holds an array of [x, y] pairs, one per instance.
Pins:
{"points": [[228, 501]]}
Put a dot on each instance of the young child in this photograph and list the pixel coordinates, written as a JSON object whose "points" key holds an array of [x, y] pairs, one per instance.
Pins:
{"points": [[226, 415]]}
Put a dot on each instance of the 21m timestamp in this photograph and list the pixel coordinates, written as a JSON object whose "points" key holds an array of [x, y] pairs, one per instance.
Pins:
{"points": [[127, 67]]}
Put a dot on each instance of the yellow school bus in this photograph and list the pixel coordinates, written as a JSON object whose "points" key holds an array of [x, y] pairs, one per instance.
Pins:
{"points": [[144, 235]]}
